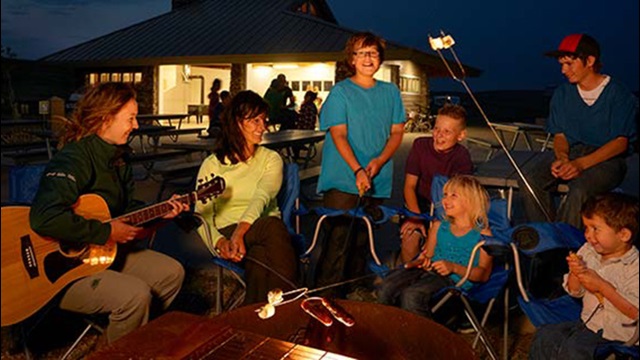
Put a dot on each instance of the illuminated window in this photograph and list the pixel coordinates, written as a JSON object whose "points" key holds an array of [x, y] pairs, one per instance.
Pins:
{"points": [[137, 78], [317, 86], [116, 77], [308, 8], [93, 78], [104, 77], [127, 77], [409, 84]]}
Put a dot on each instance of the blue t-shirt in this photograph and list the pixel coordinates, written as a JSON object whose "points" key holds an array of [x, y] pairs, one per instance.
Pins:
{"points": [[612, 115], [456, 249], [369, 115]]}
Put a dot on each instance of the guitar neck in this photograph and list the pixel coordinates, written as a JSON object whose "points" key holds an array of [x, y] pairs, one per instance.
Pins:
{"points": [[153, 212]]}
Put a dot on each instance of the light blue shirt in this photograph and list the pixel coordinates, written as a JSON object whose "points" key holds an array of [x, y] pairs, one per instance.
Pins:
{"points": [[369, 115], [456, 249]]}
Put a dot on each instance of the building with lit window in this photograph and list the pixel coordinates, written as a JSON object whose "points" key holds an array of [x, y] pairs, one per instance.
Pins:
{"points": [[173, 58]]}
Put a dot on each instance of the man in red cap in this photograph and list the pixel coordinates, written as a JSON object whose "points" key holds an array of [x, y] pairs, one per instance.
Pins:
{"points": [[593, 120]]}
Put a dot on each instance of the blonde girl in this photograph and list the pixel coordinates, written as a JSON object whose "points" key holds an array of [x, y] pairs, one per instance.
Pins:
{"points": [[445, 254]]}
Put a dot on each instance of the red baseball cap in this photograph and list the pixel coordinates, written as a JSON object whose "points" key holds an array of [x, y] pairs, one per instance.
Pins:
{"points": [[576, 45]]}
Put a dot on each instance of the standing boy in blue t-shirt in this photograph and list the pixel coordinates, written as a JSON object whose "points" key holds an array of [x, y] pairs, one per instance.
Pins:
{"points": [[364, 119]]}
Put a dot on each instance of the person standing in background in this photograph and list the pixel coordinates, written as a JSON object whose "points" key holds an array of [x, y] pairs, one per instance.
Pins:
{"points": [[214, 100]]}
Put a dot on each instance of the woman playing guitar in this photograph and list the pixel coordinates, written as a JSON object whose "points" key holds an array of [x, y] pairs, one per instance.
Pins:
{"points": [[91, 161]]}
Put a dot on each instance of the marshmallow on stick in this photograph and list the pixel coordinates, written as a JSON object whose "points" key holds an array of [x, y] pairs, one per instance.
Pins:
{"points": [[598, 295]]}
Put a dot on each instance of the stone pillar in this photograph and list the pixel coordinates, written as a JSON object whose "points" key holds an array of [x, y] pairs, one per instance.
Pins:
{"points": [[148, 90], [238, 78], [342, 71], [56, 110], [395, 74]]}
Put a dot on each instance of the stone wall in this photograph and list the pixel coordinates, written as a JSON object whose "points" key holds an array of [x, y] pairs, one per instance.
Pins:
{"points": [[238, 78]]}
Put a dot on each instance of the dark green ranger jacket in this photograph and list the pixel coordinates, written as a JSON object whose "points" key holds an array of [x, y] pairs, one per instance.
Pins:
{"points": [[87, 166]]}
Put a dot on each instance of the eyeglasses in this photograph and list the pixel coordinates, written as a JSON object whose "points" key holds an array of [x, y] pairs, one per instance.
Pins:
{"points": [[362, 54]]}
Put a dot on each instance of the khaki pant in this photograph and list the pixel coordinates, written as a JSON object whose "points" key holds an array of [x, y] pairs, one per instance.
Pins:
{"points": [[126, 295]]}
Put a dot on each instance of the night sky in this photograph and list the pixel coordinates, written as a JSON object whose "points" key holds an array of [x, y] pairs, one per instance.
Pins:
{"points": [[504, 38]]}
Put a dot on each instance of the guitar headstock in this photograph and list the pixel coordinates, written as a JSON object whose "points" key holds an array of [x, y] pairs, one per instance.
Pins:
{"points": [[205, 190]]}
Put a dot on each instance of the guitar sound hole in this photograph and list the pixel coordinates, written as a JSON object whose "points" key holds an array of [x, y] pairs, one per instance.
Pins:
{"points": [[57, 264], [72, 250]]}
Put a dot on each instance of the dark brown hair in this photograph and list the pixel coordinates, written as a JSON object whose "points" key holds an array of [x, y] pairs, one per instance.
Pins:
{"points": [[244, 105], [454, 111], [98, 104], [360, 40], [619, 211]]}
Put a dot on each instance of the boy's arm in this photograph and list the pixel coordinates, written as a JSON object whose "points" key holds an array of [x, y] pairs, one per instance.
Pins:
{"points": [[424, 260], [410, 196], [616, 299], [429, 247], [411, 203]]}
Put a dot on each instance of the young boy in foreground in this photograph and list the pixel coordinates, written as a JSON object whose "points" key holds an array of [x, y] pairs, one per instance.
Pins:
{"points": [[605, 275]]}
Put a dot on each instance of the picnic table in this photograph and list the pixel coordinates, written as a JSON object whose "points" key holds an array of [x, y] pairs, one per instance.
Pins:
{"points": [[147, 130], [518, 129], [498, 172], [15, 131], [149, 119], [280, 140]]}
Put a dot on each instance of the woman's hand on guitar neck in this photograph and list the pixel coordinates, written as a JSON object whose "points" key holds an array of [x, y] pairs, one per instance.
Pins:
{"points": [[121, 232]]}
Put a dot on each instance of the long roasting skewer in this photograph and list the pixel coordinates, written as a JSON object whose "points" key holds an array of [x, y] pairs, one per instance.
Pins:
{"points": [[446, 42]]}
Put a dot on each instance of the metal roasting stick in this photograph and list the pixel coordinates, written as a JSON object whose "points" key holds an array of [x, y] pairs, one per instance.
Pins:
{"points": [[447, 42]]}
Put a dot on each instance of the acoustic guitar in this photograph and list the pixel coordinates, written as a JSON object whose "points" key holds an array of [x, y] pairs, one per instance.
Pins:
{"points": [[35, 268]]}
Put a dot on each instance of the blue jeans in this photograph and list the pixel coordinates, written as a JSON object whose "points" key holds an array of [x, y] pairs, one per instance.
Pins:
{"points": [[412, 290], [564, 341], [598, 179]]}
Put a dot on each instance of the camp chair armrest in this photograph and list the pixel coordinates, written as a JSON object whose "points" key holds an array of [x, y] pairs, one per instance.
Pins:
{"points": [[474, 252], [634, 338]]}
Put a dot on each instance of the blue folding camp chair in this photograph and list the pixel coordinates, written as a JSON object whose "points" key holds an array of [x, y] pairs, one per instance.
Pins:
{"points": [[288, 202], [539, 252], [487, 292], [23, 182], [544, 246]]}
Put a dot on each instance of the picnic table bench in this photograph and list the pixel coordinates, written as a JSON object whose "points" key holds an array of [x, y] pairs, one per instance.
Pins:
{"points": [[149, 160], [180, 174], [492, 147], [172, 134], [309, 174], [36, 156], [150, 118], [27, 153]]}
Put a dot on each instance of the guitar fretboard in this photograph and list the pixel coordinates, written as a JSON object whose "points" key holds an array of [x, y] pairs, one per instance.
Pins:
{"points": [[153, 212]]}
